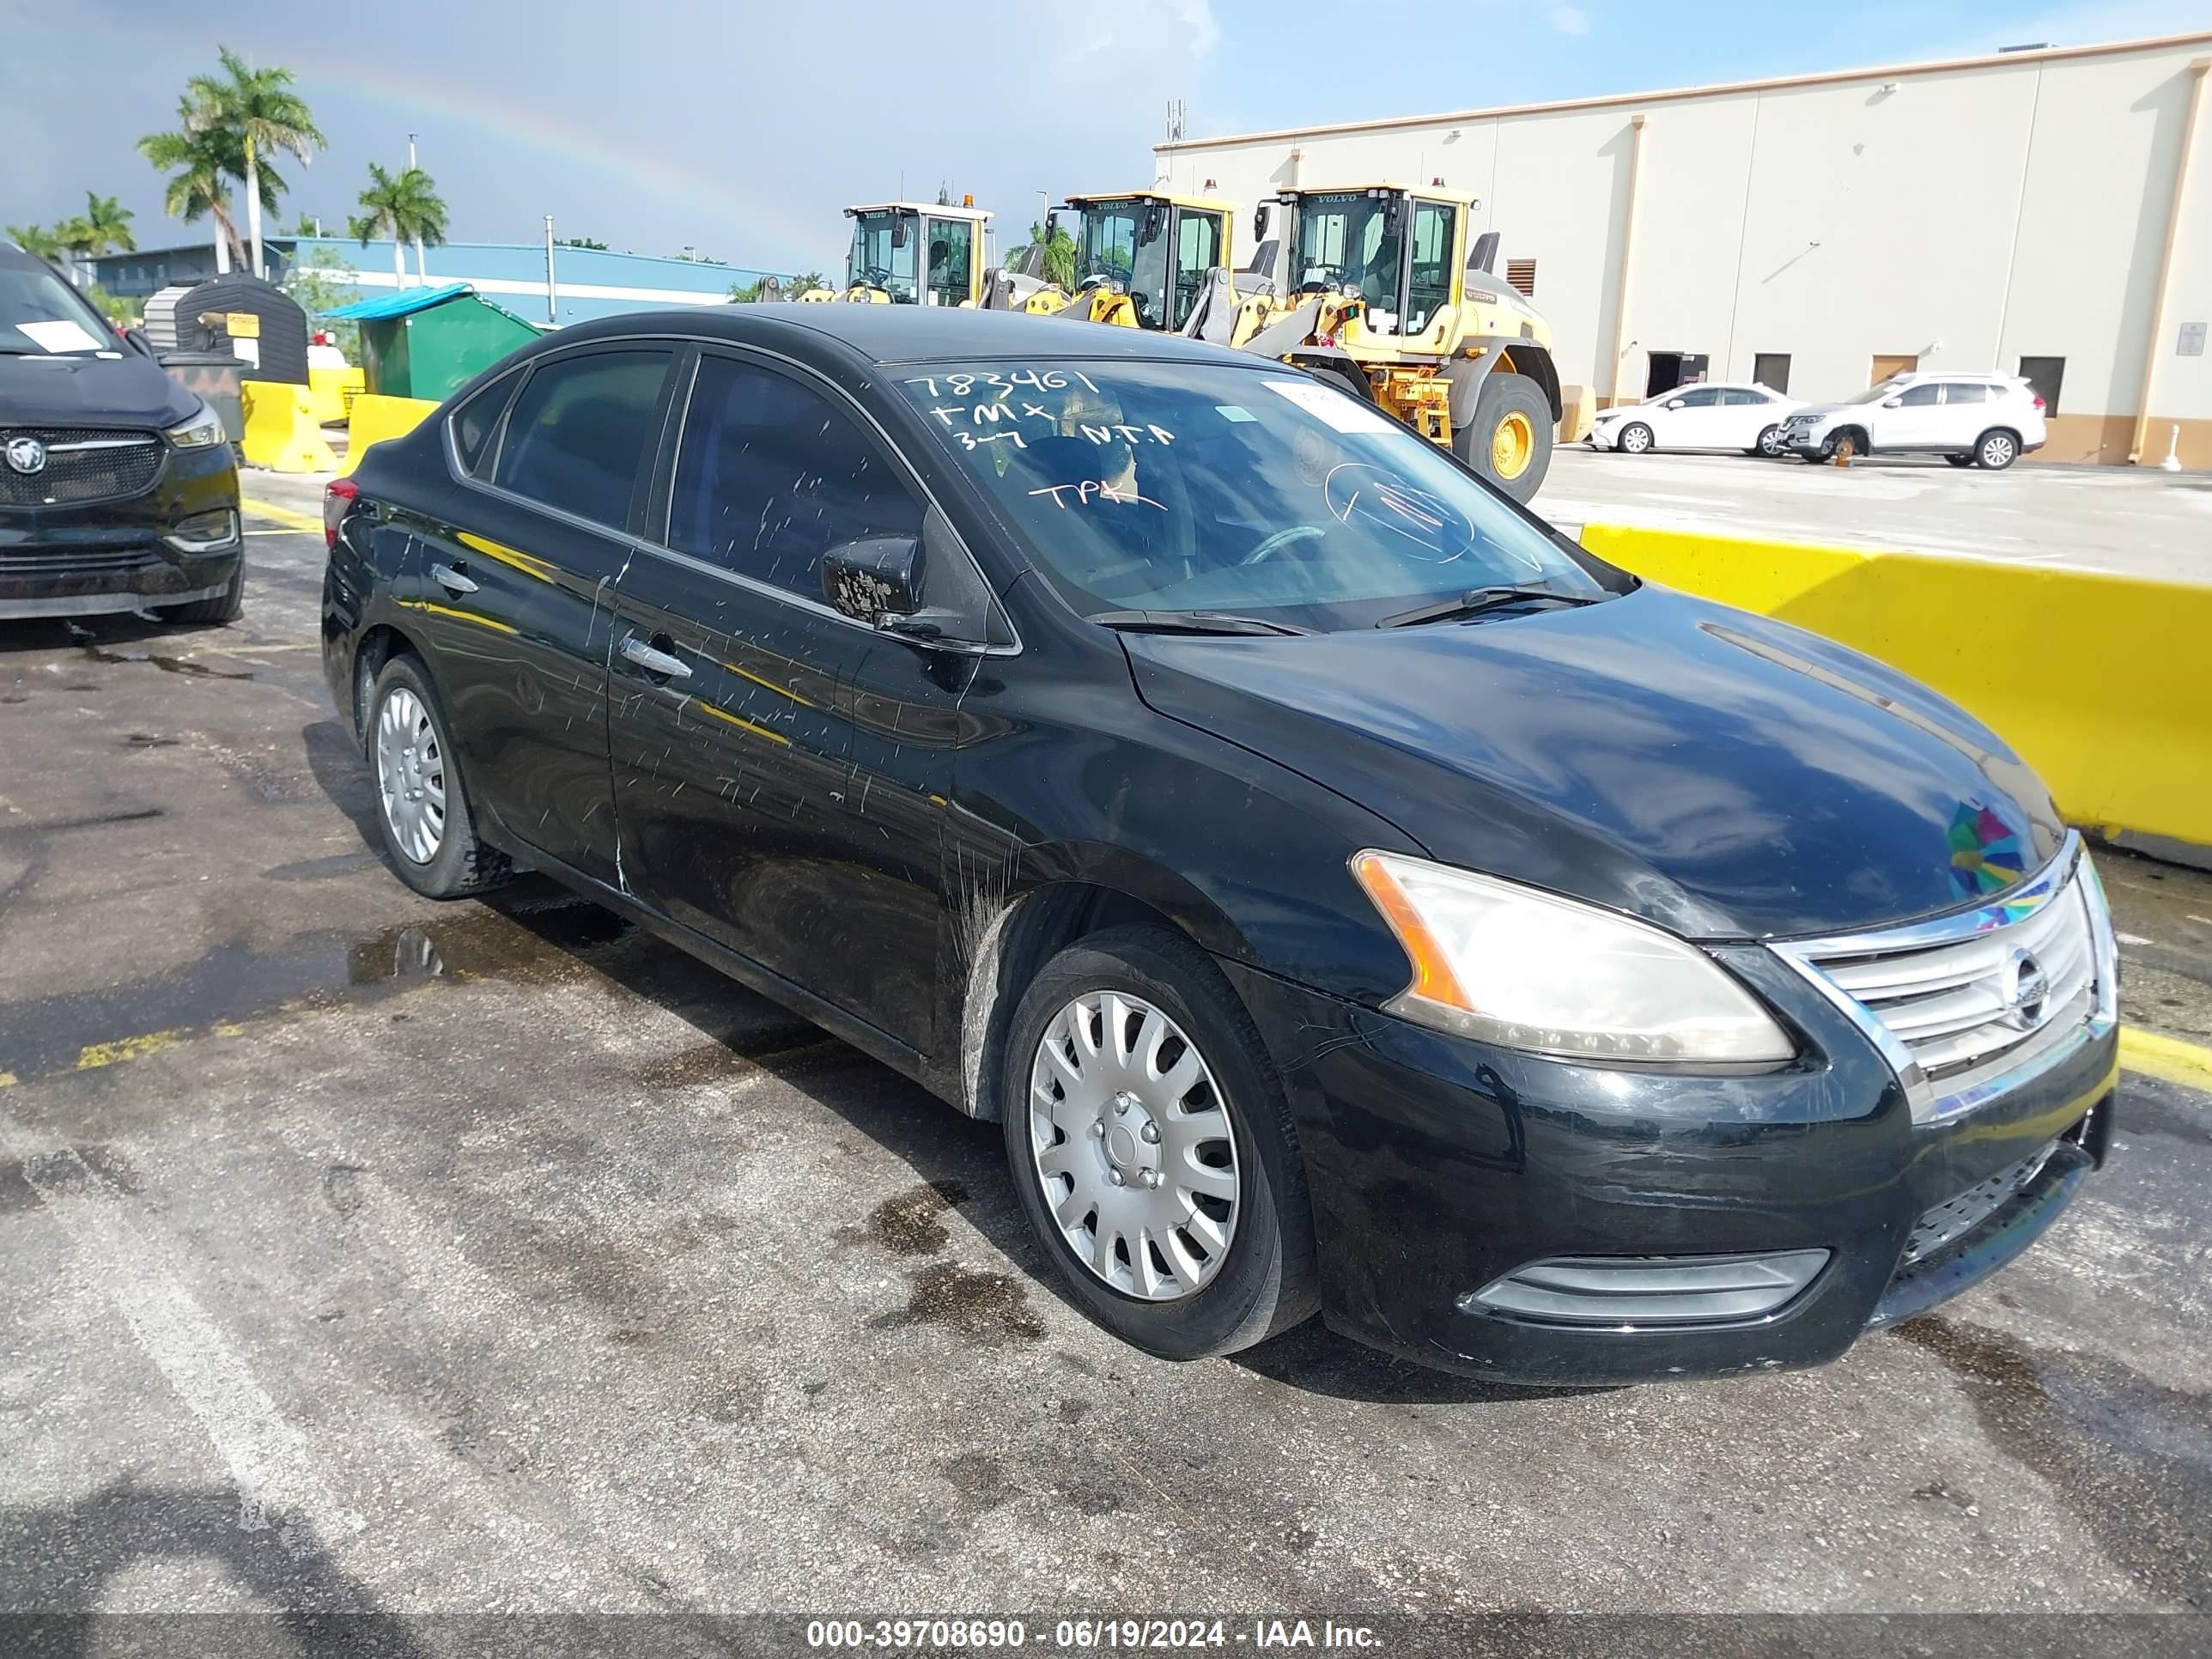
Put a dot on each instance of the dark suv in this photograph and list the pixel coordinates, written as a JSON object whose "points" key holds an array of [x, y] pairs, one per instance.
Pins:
{"points": [[1348, 894], [118, 488]]}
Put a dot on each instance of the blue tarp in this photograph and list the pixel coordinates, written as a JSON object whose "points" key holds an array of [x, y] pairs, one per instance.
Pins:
{"points": [[405, 303]]}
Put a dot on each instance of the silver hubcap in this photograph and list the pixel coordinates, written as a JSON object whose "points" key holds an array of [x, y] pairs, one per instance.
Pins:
{"points": [[410, 774], [1996, 452], [1133, 1147], [1635, 440], [1770, 439]]}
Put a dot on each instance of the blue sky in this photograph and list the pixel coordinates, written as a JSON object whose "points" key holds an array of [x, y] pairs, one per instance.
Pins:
{"points": [[742, 129]]}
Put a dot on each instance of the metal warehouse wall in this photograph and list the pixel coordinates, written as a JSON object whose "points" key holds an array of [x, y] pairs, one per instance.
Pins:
{"points": [[1968, 214]]}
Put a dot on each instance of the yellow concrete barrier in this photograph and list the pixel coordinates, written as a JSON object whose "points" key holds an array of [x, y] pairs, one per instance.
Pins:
{"points": [[280, 431], [376, 418], [333, 391], [2103, 684]]}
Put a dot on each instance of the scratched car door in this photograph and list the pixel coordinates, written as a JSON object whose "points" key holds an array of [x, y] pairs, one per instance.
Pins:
{"points": [[731, 718]]}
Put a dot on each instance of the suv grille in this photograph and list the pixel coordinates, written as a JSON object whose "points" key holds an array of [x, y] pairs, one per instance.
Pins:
{"points": [[1965, 998], [120, 463]]}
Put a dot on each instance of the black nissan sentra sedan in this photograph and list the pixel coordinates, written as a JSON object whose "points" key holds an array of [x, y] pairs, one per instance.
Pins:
{"points": [[1350, 894], [118, 488]]}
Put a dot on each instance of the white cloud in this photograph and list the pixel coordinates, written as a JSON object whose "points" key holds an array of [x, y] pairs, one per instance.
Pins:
{"points": [[1568, 20], [1205, 32]]}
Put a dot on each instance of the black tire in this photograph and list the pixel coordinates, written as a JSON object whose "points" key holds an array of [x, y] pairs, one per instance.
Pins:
{"points": [[1267, 1281], [1644, 444], [1959, 460], [1769, 444], [1996, 449], [1505, 395], [225, 607], [461, 865]]}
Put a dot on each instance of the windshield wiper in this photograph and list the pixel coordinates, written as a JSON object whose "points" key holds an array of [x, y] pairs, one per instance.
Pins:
{"points": [[1190, 621], [1476, 600]]}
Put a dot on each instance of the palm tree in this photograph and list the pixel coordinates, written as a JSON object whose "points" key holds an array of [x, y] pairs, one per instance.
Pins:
{"points": [[105, 226], [405, 206], [201, 166], [37, 241], [1059, 250], [260, 109]]}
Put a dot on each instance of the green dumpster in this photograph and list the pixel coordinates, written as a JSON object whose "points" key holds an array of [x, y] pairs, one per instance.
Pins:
{"points": [[426, 342]]}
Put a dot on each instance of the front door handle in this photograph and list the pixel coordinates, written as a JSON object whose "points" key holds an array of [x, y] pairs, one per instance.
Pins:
{"points": [[451, 579], [654, 662]]}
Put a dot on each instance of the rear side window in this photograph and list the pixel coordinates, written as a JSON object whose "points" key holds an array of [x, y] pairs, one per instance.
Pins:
{"points": [[771, 474], [581, 430], [475, 421], [1736, 396], [1966, 391]]}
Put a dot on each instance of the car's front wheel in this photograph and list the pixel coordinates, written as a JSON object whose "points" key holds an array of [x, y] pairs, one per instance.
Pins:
{"points": [[1770, 442], [422, 809], [225, 607], [1152, 1148], [1959, 460], [1635, 439]]}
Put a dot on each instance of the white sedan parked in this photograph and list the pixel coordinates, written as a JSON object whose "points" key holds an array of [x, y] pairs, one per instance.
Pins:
{"points": [[1706, 416]]}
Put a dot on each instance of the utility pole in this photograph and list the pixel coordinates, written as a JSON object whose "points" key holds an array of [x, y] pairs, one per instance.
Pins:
{"points": [[421, 273], [552, 294]]}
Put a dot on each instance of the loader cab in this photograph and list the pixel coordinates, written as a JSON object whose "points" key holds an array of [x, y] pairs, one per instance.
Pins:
{"points": [[1155, 248], [1403, 252], [918, 253]]}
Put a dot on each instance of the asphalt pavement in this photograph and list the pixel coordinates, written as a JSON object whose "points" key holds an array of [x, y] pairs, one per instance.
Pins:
{"points": [[372, 1256]]}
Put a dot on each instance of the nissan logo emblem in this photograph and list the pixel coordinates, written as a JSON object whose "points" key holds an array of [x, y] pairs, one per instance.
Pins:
{"points": [[2027, 993], [27, 455]]}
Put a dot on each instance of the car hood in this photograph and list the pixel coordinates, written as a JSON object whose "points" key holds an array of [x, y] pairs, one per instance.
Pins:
{"points": [[1722, 774], [1822, 411], [86, 391]]}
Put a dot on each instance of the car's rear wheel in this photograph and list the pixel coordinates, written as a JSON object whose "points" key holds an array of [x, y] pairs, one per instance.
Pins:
{"points": [[1635, 439], [1997, 450], [422, 807], [225, 607], [1150, 1141]]}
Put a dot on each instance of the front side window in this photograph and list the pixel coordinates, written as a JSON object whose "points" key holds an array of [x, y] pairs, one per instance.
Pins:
{"points": [[1186, 487], [41, 315], [581, 430], [882, 254], [1703, 397], [1919, 396], [1429, 288], [952, 253], [770, 475]]}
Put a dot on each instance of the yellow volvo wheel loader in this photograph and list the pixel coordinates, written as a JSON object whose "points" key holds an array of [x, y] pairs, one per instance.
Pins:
{"points": [[1142, 259], [910, 253], [1387, 290]]}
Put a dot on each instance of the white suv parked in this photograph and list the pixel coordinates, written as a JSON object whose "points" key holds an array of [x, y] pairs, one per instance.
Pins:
{"points": [[1970, 420]]}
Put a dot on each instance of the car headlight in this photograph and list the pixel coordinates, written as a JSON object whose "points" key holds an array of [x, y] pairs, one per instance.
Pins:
{"points": [[1527, 970], [203, 430]]}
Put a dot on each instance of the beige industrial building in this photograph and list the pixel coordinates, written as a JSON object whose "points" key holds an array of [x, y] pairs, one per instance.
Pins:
{"points": [[2046, 211]]}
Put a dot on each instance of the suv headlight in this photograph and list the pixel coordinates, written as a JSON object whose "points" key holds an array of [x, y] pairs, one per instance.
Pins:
{"points": [[1527, 970], [203, 430]]}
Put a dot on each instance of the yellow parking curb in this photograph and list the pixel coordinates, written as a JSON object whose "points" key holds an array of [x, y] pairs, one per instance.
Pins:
{"points": [[283, 515], [2167, 1058]]}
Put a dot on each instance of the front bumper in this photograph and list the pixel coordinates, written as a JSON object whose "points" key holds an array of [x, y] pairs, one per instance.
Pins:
{"points": [[1437, 1165], [118, 555]]}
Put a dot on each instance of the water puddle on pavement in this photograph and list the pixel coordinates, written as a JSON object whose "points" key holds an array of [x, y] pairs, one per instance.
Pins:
{"points": [[538, 942], [167, 663]]}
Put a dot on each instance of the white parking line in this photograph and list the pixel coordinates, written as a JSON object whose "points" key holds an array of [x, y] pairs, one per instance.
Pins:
{"points": [[267, 1457]]}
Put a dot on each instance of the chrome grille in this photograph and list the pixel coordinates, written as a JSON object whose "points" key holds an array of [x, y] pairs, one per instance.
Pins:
{"points": [[83, 464], [1961, 1002]]}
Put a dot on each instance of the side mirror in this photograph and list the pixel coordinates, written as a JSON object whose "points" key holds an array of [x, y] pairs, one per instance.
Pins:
{"points": [[137, 337], [898, 230], [1678, 403], [1892, 402], [874, 578], [1051, 223]]}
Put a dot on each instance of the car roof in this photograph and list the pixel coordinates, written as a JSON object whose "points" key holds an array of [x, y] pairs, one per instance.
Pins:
{"points": [[1953, 374], [889, 334]]}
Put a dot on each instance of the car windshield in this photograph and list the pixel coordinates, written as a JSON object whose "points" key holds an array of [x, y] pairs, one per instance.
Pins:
{"points": [[1126, 244], [883, 253], [1875, 394], [40, 313], [1209, 488]]}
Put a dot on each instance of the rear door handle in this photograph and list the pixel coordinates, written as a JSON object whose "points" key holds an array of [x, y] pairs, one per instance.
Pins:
{"points": [[654, 662], [451, 579]]}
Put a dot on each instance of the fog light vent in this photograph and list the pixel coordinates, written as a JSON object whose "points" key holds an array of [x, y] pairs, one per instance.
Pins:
{"points": [[1649, 1290]]}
